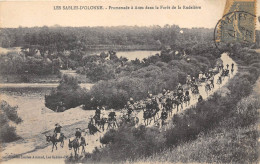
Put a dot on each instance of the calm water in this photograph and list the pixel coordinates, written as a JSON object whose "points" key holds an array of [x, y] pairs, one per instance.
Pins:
{"points": [[132, 55], [29, 97]]}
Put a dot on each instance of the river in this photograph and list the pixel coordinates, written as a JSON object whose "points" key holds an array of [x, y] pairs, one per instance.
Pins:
{"points": [[132, 55], [29, 97]]}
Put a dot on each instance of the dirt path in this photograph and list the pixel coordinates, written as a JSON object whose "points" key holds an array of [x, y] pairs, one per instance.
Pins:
{"points": [[43, 151]]}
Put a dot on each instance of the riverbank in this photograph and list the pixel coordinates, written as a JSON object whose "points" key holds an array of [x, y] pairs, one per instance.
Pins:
{"points": [[32, 78], [123, 47]]}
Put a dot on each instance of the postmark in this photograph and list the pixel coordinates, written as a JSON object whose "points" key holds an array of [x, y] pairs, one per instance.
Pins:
{"points": [[237, 24]]}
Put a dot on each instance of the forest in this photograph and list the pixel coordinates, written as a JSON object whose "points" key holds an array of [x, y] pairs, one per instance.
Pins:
{"points": [[46, 50]]}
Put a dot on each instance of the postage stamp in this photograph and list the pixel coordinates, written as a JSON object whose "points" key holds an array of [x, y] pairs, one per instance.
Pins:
{"points": [[238, 22]]}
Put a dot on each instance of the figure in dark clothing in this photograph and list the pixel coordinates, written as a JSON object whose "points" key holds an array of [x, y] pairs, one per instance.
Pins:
{"points": [[78, 133], [155, 104], [97, 113], [130, 109], [187, 93], [200, 99], [164, 116], [112, 116], [219, 80], [222, 66], [57, 131], [227, 66]]}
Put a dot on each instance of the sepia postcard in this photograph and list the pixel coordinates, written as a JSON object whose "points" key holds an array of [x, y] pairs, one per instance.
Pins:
{"points": [[129, 81]]}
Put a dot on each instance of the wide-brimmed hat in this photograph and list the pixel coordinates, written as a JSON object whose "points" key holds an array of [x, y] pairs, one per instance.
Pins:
{"points": [[57, 124]]}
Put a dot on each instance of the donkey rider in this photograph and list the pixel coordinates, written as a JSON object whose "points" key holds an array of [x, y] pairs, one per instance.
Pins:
{"points": [[57, 131], [78, 134]]}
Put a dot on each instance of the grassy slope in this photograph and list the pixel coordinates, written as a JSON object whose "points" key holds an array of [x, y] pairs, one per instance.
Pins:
{"points": [[221, 144]]}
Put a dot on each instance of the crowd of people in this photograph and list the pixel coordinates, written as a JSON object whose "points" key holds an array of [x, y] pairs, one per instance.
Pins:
{"points": [[154, 107]]}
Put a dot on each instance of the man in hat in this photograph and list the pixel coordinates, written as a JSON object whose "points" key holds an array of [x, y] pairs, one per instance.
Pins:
{"points": [[97, 113], [57, 131], [112, 115], [78, 134], [130, 109]]}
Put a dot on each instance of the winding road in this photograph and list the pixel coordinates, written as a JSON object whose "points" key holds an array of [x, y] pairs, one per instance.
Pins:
{"points": [[44, 151]]}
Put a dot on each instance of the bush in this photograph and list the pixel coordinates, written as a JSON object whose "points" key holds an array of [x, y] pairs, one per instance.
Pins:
{"points": [[67, 95], [247, 111], [130, 143], [109, 137], [8, 113], [7, 133]]}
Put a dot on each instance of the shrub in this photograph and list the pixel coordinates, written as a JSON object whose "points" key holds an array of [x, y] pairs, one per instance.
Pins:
{"points": [[67, 95], [109, 137], [8, 113], [130, 143], [247, 111], [7, 133]]}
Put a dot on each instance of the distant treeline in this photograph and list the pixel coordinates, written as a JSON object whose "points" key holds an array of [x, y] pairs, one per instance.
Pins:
{"points": [[70, 38], [46, 50]]}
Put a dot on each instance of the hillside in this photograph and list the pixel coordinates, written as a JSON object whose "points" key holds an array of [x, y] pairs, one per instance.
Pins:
{"points": [[222, 129], [234, 139], [222, 144]]}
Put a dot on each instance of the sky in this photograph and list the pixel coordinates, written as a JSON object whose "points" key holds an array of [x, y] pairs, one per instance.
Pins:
{"points": [[38, 13]]}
